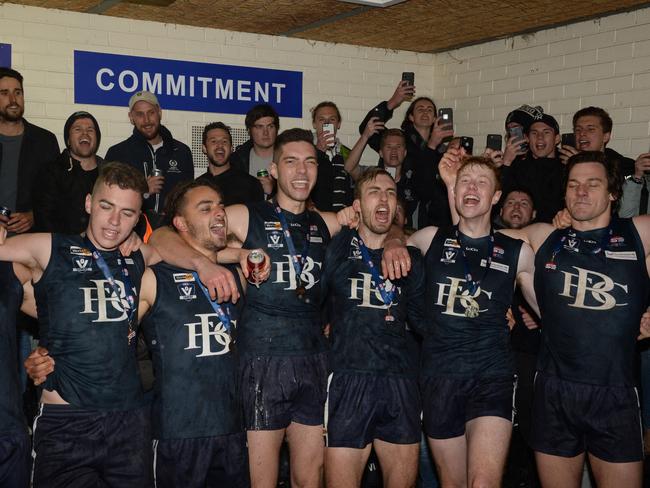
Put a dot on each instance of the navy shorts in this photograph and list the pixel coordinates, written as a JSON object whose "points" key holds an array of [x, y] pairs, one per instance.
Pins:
{"points": [[203, 462], [278, 390], [570, 418], [449, 403], [76, 447], [14, 459], [364, 407]]}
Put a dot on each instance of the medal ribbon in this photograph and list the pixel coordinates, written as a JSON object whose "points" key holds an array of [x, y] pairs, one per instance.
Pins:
{"points": [[223, 315], [386, 296], [298, 262], [474, 284], [128, 287]]}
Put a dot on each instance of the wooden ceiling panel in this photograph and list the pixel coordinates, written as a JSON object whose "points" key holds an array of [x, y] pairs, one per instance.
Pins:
{"points": [[415, 25]]}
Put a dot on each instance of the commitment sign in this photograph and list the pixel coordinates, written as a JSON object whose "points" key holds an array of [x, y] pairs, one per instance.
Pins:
{"points": [[111, 79]]}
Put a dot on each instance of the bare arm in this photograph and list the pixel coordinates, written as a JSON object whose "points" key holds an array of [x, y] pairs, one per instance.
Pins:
{"points": [[30, 250], [534, 235], [422, 238], [147, 293], [525, 275]]}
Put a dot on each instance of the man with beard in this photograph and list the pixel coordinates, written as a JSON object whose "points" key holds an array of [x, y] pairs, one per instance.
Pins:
{"points": [[591, 281], [236, 186], [153, 151], [64, 184], [283, 367], [541, 172], [200, 442], [467, 369], [373, 398], [25, 150]]}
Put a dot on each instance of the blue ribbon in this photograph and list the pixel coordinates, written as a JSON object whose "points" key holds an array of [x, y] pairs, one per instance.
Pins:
{"points": [[223, 316]]}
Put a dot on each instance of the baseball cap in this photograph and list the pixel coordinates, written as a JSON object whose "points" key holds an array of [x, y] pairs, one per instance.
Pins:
{"points": [[143, 96]]}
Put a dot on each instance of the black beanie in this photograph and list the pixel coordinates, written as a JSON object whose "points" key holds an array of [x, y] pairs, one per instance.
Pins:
{"points": [[71, 120], [525, 116], [548, 120]]}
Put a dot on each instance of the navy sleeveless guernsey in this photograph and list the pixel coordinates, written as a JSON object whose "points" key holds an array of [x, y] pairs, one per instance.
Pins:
{"points": [[275, 321], [457, 344], [194, 360], [11, 400], [362, 340], [85, 327], [592, 288]]}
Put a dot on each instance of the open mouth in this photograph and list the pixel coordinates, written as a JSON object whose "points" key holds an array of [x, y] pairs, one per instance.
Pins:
{"points": [[218, 228], [300, 184], [382, 214], [471, 200]]}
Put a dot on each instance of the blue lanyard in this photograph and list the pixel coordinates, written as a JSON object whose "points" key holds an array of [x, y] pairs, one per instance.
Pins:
{"points": [[128, 287], [298, 262], [473, 284], [386, 296], [223, 316]]}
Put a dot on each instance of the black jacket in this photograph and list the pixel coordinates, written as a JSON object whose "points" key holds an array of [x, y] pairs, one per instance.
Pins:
{"points": [[174, 159], [625, 165], [542, 177], [39, 147], [240, 159], [59, 206]]}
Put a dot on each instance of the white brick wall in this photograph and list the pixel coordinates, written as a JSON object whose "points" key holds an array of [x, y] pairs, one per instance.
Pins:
{"points": [[43, 42], [603, 62]]}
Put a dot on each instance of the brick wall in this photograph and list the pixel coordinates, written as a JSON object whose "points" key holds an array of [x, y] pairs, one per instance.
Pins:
{"points": [[603, 62], [43, 41]]}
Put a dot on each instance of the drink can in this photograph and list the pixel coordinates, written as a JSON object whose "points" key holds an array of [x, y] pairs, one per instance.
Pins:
{"points": [[254, 264], [5, 211], [262, 173], [156, 172]]}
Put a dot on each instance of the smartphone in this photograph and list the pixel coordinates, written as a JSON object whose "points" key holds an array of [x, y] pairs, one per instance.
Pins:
{"points": [[569, 139], [467, 143], [409, 77], [376, 113], [518, 134], [447, 115], [494, 142]]}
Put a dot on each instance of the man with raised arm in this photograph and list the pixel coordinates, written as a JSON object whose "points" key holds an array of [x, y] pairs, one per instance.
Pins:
{"points": [[373, 397], [467, 369], [591, 281], [283, 367]]}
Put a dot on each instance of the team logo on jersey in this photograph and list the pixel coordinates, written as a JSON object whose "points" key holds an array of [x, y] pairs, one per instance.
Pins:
{"points": [[591, 290], [183, 277], [504, 268], [458, 301], [208, 335], [101, 302], [498, 252], [572, 244], [355, 252], [451, 243], [449, 256], [284, 272], [622, 255], [274, 239], [272, 226], [82, 264], [186, 291], [80, 251], [173, 166], [365, 291]]}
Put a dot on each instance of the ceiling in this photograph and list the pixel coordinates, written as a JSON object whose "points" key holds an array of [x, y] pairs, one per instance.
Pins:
{"points": [[415, 25]]}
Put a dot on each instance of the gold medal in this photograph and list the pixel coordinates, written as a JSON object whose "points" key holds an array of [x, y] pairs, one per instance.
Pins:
{"points": [[472, 311]]}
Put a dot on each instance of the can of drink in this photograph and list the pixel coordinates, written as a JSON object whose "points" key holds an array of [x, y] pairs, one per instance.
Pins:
{"points": [[156, 172], [5, 211], [262, 173], [254, 264]]}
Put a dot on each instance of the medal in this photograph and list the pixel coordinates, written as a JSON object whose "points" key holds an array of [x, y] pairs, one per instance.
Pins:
{"points": [[301, 292], [389, 318], [472, 310], [131, 334]]}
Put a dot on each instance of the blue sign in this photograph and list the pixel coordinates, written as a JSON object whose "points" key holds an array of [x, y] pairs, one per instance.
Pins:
{"points": [[5, 55], [111, 79]]}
